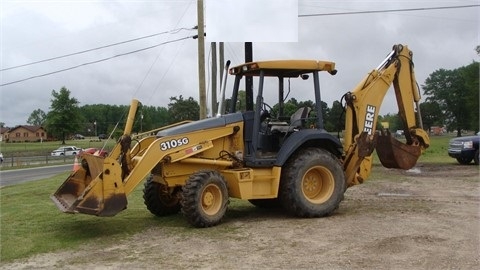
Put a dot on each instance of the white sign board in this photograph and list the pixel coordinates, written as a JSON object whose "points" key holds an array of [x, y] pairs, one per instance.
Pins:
{"points": [[251, 20]]}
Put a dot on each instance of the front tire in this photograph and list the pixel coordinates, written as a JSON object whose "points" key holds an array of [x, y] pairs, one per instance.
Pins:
{"points": [[160, 199], [205, 199], [312, 183], [464, 160]]}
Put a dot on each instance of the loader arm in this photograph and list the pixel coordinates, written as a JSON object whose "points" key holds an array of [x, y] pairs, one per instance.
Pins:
{"points": [[100, 186], [362, 108]]}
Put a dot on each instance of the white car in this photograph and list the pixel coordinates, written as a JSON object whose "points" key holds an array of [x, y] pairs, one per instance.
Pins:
{"points": [[1, 158], [66, 151]]}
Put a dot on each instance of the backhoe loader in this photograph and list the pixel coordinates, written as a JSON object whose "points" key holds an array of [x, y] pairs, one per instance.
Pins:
{"points": [[258, 155]]}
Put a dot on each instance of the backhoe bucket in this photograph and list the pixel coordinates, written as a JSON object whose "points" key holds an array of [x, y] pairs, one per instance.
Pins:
{"points": [[95, 188], [395, 154]]}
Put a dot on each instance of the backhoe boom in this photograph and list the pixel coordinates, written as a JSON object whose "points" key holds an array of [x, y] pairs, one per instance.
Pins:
{"points": [[362, 109]]}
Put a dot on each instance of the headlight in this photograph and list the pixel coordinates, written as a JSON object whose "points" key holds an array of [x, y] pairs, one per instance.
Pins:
{"points": [[468, 144]]}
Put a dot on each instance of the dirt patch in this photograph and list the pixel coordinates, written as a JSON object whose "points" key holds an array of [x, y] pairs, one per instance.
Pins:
{"points": [[425, 218]]}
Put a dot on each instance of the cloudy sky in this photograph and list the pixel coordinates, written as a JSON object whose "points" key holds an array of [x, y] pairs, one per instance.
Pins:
{"points": [[33, 31]]}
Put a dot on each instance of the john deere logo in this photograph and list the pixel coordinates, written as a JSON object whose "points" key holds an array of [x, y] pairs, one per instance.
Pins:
{"points": [[369, 116]]}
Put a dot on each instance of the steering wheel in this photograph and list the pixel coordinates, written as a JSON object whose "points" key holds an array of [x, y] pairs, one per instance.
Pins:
{"points": [[267, 112]]}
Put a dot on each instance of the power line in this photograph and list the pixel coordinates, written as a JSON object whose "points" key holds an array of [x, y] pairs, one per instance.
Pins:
{"points": [[98, 61], [97, 48], [179, 29], [384, 11]]}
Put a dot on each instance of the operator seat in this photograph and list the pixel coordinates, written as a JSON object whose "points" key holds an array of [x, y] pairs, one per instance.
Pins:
{"points": [[297, 120]]}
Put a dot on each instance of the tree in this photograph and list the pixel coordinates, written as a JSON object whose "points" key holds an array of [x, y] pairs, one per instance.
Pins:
{"points": [[180, 109], [241, 105], [95, 119], [149, 117], [64, 117], [431, 115], [335, 121], [393, 120], [470, 76], [37, 118], [447, 88]]}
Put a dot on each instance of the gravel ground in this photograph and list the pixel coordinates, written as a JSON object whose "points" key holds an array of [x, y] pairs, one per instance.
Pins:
{"points": [[424, 218]]}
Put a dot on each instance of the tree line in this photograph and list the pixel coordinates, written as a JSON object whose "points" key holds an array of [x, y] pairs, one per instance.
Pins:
{"points": [[451, 99]]}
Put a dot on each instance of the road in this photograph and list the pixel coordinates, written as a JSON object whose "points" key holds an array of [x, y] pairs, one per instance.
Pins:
{"points": [[12, 177]]}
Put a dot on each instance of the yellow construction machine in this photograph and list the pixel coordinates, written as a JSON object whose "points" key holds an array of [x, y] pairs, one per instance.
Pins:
{"points": [[257, 154]]}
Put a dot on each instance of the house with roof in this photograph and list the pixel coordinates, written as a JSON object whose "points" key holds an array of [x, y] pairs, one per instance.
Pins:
{"points": [[3, 133], [25, 133]]}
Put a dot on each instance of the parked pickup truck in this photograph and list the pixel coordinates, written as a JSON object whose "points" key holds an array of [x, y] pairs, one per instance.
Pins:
{"points": [[464, 149]]}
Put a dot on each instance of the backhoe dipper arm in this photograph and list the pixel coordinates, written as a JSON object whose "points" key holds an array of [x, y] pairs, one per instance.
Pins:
{"points": [[362, 108]]}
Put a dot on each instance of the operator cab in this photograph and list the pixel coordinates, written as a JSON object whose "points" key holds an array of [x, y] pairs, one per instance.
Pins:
{"points": [[268, 129]]}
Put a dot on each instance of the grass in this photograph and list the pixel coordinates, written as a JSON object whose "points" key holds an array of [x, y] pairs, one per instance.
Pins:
{"points": [[438, 150], [31, 224]]}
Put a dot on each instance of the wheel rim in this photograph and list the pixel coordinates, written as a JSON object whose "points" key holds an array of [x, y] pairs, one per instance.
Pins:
{"points": [[318, 184], [211, 199]]}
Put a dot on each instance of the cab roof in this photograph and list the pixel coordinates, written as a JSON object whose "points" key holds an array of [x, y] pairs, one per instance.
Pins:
{"points": [[283, 68]]}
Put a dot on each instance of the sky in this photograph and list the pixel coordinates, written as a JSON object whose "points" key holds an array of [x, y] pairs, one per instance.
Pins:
{"points": [[33, 31]]}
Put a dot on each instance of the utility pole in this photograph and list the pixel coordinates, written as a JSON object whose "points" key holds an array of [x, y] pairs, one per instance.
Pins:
{"points": [[214, 78], [201, 61]]}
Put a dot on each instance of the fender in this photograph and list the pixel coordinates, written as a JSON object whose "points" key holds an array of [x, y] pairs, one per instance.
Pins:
{"points": [[311, 138]]}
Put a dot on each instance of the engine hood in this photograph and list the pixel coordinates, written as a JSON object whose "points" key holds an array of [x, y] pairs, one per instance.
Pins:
{"points": [[466, 138]]}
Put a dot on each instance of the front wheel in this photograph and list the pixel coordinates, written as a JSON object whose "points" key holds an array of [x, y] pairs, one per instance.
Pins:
{"points": [[476, 157], [312, 183], [464, 160], [160, 199], [205, 199]]}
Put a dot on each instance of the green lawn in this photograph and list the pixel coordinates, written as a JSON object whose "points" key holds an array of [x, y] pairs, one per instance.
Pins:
{"points": [[438, 151], [31, 223]]}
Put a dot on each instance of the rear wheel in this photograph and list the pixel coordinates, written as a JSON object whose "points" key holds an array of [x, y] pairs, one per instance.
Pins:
{"points": [[464, 160], [160, 199], [205, 199], [476, 157], [312, 183]]}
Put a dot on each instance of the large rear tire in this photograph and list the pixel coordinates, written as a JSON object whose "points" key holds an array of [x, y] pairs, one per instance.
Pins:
{"points": [[205, 199], [312, 183], [160, 199], [476, 157]]}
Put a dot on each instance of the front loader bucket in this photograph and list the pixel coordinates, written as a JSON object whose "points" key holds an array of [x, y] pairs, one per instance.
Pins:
{"points": [[96, 188], [395, 154]]}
